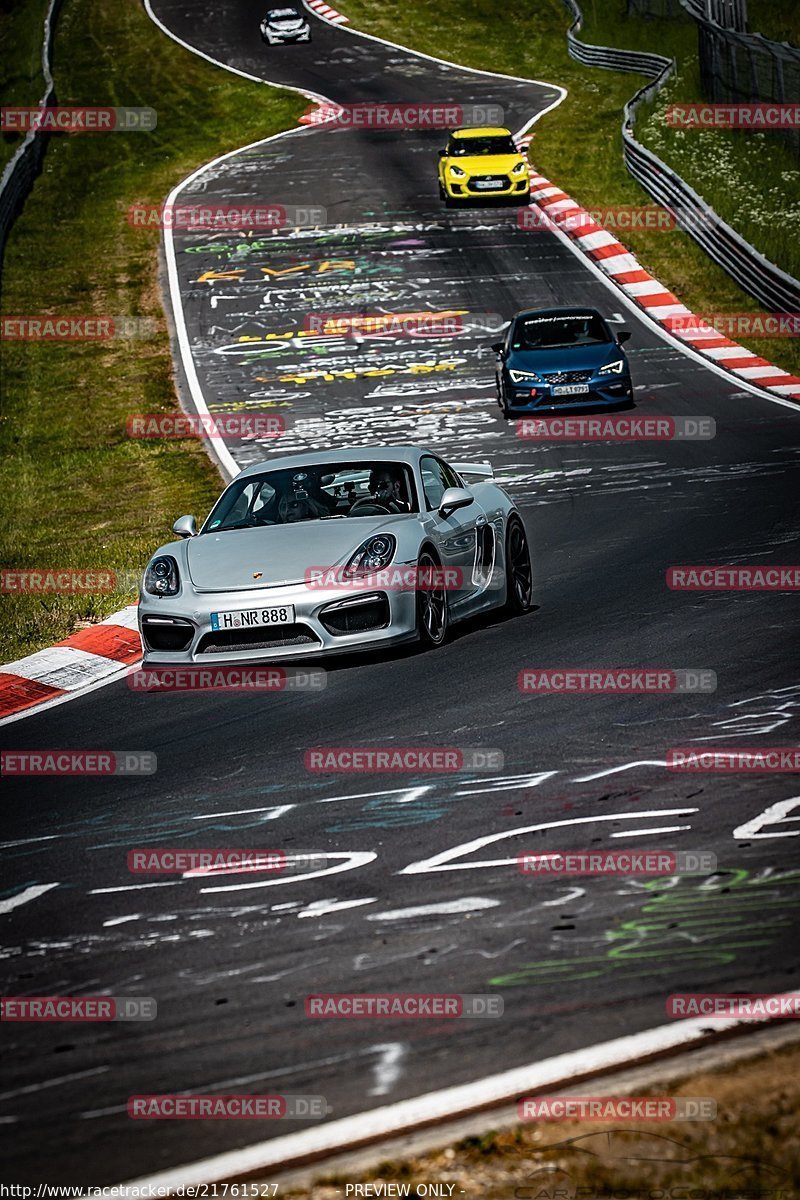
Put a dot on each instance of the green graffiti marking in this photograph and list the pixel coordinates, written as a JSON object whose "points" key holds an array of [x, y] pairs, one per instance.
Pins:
{"points": [[253, 245], [688, 925]]}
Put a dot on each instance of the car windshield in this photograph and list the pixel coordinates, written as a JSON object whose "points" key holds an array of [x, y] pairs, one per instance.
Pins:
{"points": [[558, 331], [282, 14], [314, 492], [463, 147]]}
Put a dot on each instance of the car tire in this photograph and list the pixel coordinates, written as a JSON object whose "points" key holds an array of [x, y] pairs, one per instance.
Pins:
{"points": [[501, 404], [433, 614], [519, 572]]}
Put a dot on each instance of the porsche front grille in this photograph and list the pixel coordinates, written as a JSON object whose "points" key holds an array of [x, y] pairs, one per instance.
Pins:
{"points": [[227, 641]]}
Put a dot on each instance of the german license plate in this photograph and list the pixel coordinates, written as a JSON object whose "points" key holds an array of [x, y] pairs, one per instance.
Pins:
{"points": [[253, 618], [572, 389], [489, 185]]}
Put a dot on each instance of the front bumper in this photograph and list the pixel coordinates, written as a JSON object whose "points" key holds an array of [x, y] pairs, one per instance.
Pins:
{"points": [[275, 37], [327, 620], [467, 190], [604, 392]]}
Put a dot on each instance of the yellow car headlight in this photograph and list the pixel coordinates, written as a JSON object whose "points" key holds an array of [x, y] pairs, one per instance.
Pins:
{"points": [[518, 169], [454, 170]]}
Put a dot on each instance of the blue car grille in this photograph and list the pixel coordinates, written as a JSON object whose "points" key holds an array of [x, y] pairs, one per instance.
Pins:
{"points": [[567, 376]]}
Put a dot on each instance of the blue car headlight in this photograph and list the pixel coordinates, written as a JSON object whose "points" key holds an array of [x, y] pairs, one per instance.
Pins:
{"points": [[161, 577], [372, 555], [524, 376], [613, 368]]}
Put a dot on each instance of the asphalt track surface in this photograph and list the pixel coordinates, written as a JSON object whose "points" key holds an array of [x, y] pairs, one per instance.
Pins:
{"points": [[230, 960]]}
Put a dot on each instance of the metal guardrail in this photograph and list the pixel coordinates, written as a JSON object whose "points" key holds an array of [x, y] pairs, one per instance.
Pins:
{"points": [[741, 67], [20, 172], [727, 14], [767, 283]]}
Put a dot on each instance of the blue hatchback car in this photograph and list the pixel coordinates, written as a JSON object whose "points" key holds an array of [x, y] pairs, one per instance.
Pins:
{"points": [[556, 358]]}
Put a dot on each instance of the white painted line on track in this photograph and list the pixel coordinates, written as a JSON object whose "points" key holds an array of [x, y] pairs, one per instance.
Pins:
{"points": [[445, 908], [443, 860], [645, 762], [632, 833], [25, 896]]}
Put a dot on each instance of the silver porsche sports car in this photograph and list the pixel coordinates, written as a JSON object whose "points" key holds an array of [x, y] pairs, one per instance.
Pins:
{"points": [[333, 552]]}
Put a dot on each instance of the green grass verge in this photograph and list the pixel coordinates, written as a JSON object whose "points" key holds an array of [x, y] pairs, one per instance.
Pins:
{"points": [[751, 179], [578, 145], [21, 78], [78, 492], [776, 19]]}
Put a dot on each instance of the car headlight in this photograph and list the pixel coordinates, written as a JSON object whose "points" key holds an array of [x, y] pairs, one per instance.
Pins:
{"points": [[454, 170], [524, 376], [613, 368], [372, 555], [518, 169], [161, 577]]}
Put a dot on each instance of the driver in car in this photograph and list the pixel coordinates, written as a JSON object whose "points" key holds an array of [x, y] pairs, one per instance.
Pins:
{"points": [[386, 488]]}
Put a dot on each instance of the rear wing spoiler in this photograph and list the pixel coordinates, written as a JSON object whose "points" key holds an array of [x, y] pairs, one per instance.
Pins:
{"points": [[475, 471]]}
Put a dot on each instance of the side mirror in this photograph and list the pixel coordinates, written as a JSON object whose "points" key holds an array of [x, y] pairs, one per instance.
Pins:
{"points": [[442, 153], [498, 347], [185, 527], [623, 336], [454, 498]]}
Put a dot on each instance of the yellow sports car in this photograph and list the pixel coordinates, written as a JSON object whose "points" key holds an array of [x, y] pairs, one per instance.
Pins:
{"points": [[482, 161]]}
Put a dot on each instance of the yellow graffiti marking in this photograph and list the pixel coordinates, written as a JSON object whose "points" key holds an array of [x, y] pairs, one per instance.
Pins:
{"points": [[210, 276]]}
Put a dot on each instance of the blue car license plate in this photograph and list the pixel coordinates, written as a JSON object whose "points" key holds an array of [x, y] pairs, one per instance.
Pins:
{"points": [[574, 389]]}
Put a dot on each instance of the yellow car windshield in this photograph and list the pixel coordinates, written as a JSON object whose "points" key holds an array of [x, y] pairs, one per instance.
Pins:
{"points": [[467, 147]]}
